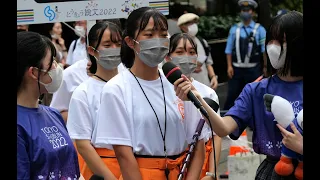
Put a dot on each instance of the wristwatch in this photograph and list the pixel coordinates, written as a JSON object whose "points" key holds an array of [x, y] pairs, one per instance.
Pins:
{"points": [[210, 174]]}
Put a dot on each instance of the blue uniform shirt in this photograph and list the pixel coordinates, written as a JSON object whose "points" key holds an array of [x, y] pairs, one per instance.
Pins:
{"points": [[260, 36], [249, 110], [45, 150]]}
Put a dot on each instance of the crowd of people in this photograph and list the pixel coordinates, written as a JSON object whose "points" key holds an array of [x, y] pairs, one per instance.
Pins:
{"points": [[113, 113]]}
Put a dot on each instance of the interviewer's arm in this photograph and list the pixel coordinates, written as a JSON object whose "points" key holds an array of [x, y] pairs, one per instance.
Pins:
{"points": [[128, 164], [221, 126], [93, 160]]}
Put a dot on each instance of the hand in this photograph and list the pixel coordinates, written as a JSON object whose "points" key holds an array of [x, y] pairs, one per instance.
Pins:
{"points": [[182, 86], [198, 69], [230, 72], [214, 82], [61, 41], [293, 141], [209, 178]]}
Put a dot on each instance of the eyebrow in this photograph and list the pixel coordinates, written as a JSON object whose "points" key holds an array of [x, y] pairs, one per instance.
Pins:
{"points": [[182, 48]]}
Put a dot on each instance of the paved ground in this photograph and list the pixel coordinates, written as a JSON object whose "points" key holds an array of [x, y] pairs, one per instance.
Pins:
{"points": [[223, 166]]}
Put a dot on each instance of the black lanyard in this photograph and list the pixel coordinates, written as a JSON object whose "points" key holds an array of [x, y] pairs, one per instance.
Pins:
{"points": [[100, 78], [165, 115]]}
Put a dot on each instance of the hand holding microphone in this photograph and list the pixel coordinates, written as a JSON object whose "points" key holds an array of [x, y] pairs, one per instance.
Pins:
{"points": [[182, 86]]}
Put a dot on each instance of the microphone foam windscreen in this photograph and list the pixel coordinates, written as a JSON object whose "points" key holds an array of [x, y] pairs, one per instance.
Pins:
{"points": [[171, 71], [214, 105]]}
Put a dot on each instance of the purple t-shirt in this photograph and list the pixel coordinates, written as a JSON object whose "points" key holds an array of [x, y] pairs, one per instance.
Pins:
{"points": [[249, 110], [45, 150]]}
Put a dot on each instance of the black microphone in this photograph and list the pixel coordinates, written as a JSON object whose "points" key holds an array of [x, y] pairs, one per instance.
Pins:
{"points": [[173, 73]]}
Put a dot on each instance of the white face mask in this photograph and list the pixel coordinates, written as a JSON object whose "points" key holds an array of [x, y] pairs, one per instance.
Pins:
{"points": [[56, 76], [193, 29], [54, 36], [80, 31], [277, 59]]}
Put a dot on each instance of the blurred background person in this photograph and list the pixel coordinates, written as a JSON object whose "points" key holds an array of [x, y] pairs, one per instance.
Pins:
{"points": [[204, 72], [24, 27], [245, 37], [77, 49]]}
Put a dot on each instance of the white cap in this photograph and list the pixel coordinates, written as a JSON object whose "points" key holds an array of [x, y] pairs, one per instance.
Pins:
{"points": [[187, 18]]}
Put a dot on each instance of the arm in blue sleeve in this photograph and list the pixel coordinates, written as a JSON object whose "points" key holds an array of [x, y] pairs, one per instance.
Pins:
{"points": [[230, 40], [23, 162], [242, 111], [262, 38]]}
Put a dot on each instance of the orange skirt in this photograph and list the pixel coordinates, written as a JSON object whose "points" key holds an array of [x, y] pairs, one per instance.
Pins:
{"points": [[154, 168], [205, 167], [109, 160]]}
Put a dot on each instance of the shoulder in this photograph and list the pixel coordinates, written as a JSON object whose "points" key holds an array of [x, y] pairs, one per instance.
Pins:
{"points": [[117, 84], [234, 27], [205, 90], [81, 91], [78, 69], [261, 28]]}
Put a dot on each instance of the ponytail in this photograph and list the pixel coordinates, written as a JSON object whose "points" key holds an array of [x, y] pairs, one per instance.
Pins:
{"points": [[126, 53]]}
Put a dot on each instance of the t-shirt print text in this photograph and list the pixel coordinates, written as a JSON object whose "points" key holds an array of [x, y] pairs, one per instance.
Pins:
{"points": [[54, 136], [296, 107]]}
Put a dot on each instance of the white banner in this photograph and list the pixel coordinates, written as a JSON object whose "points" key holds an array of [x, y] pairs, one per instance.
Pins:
{"points": [[50, 11]]}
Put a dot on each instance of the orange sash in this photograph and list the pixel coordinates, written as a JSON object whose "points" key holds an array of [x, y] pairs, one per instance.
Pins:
{"points": [[205, 167], [154, 168], [110, 161]]}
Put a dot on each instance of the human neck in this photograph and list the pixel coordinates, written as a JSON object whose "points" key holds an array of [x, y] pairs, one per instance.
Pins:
{"points": [[28, 98], [82, 39], [246, 23], [143, 71], [105, 74]]}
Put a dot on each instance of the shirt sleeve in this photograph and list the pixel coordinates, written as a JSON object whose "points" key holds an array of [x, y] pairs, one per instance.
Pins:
{"points": [[61, 98], [192, 118], [70, 53], [113, 123], [80, 122], [230, 40], [262, 38], [23, 162], [241, 112]]}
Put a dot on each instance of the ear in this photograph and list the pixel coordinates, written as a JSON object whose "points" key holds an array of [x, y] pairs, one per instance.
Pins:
{"points": [[91, 51], [168, 58], [129, 42], [33, 73]]}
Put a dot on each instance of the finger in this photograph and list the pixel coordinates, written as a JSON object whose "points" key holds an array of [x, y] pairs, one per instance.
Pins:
{"points": [[294, 129], [177, 82], [187, 91], [284, 132], [185, 78]]}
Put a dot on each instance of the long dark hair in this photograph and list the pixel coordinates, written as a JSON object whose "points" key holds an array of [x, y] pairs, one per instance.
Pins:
{"points": [[31, 49], [137, 21], [175, 39], [288, 26], [95, 36]]}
